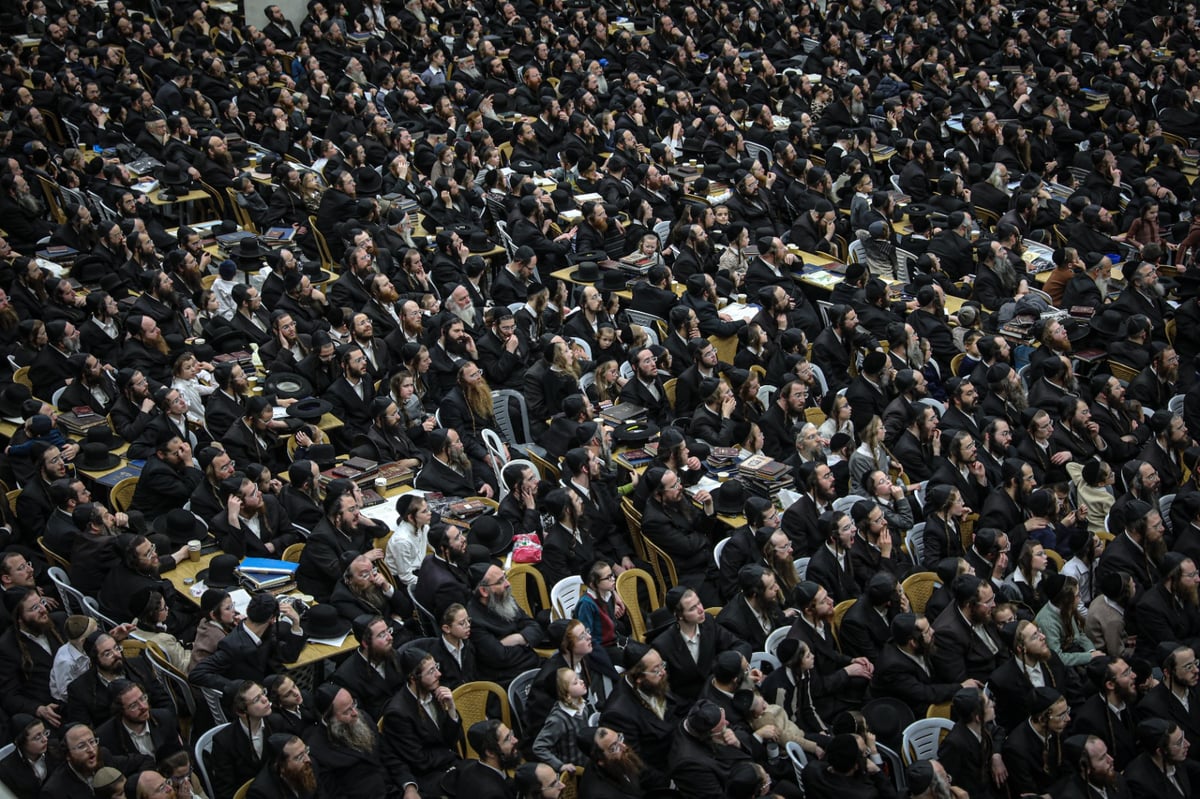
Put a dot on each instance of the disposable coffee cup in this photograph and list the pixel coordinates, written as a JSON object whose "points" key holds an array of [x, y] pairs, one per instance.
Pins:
{"points": [[741, 298], [194, 549], [380, 485]]}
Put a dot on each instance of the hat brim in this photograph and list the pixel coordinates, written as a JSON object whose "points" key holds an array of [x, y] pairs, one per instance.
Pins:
{"points": [[111, 461], [202, 577], [487, 246], [340, 628], [577, 276], [318, 276], [290, 385], [635, 431], [197, 530], [502, 541], [239, 255], [309, 414]]}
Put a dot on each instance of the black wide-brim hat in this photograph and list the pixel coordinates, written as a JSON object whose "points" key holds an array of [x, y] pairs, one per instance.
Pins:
{"points": [[289, 385]]}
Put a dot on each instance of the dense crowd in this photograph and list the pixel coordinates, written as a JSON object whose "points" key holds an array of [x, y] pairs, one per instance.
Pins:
{"points": [[500, 217]]}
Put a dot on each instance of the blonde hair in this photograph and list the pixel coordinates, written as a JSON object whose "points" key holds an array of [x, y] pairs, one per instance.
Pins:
{"points": [[564, 677]]}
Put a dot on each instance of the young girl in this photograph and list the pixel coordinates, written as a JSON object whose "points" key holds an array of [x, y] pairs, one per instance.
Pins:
{"points": [[406, 548], [555, 744], [187, 377]]}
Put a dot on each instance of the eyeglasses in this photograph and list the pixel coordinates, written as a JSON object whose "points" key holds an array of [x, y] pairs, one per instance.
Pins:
{"points": [[615, 747], [434, 668], [301, 756], [164, 788], [44, 735], [1192, 666], [83, 746]]}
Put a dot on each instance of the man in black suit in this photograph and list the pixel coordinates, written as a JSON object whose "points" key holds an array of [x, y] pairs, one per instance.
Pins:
{"points": [[168, 479], [903, 669], [830, 565], [643, 708], [1167, 611], [51, 368], [1156, 384], [869, 392], [421, 729], [768, 269], [352, 393], [865, 627], [1160, 770], [347, 753], [85, 757], [1142, 296], [783, 418], [646, 388], [1032, 661], [967, 645], [485, 778], [704, 750], [504, 636], [654, 295], [28, 654], [1176, 698], [963, 470], [701, 297], [838, 681], [834, 348], [1109, 714], [287, 771], [442, 578], [342, 530], [1164, 450], [136, 728], [450, 470], [757, 610], [363, 589], [670, 521], [1138, 550], [372, 673], [88, 699], [240, 748], [689, 668], [1033, 751], [258, 647]]}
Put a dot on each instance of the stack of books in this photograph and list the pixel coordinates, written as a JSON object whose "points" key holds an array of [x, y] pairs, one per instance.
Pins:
{"points": [[395, 475], [80, 419], [720, 459], [361, 470], [765, 476], [624, 412], [266, 574]]}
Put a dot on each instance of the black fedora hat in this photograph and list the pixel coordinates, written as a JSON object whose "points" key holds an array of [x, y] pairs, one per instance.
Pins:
{"points": [[180, 526], [103, 434], [309, 409], [491, 531], [1110, 324], [314, 271], [587, 255], [586, 272], [173, 175], [1077, 329], [478, 241], [289, 385], [730, 498], [12, 397], [613, 280], [368, 182], [221, 572], [249, 249], [633, 432], [324, 621], [95, 457]]}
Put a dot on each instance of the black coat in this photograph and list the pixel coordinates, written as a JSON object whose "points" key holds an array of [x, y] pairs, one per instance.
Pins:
{"points": [[1014, 691], [351, 774], [234, 753], [372, 689], [968, 761], [88, 700], [646, 733], [412, 741], [498, 662], [321, 561], [276, 528], [960, 653], [1094, 717], [1027, 768], [1159, 702], [689, 675], [739, 619], [19, 777], [700, 767], [831, 685], [238, 658], [1148, 781], [440, 584], [863, 632], [479, 781], [899, 676]]}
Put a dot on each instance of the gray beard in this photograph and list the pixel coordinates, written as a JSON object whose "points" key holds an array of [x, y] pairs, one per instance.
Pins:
{"points": [[356, 735], [1102, 284], [1008, 276], [505, 606], [29, 204], [467, 315], [857, 109]]}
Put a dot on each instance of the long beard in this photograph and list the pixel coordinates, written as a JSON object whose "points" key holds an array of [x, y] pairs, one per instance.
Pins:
{"points": [[29, 204], [159, 345], [9, 318], [505, 606], [1004, 270], [479, 398], [301, 778], [467, 315], [659, 691], [1016, 397], [941, 788], [372, 594], [628, 765], [356, 735], [461, 462]]}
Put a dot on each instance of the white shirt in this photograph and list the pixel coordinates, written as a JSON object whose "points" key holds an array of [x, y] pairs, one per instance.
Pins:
{"points": [[69, 663]]}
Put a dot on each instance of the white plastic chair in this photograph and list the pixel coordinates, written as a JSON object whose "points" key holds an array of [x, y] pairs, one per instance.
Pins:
{"points": [[718, 549], [914, 542], [518, 694], [759, 658], [844, 504], [495, 448], [92, 608], [921, 739], [1175, 404], [777, 635], [203, 751], [564, 596], [801, 565], [74, 602], [932, 403]]}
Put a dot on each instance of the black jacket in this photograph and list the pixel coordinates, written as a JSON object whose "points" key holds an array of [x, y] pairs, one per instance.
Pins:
{"points": [[688, 674], [238, 658], [412, 741], [234, 753], [372, 689]]}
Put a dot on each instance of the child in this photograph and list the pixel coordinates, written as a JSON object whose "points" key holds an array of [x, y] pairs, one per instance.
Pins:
{"points": [[556, 744]]}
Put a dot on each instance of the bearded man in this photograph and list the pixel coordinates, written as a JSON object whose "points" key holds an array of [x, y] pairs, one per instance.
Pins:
{"points": [[85, 757], [1006, 397], [364, 589], [421, 727], [345, 748], [450, 470], [29, 288], [381, 308], [467, 408], [387, 441], [146, 350], [1109, 713], [903, 668], [502, 633], [51, 369], [25, 220], [1032, 665], [643, 709], [288, 771], [373, 672]]}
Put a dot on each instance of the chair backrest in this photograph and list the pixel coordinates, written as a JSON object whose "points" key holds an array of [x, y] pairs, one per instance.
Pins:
{"points": [[322, 244], [844, 504], [547, 469], [122, 494], [718, 549], [244, 791], [518, 694], [495, 448], [839, 610], [646, 320], [52, 556], [757, 660], [519, 576], [801, 566], [203, 751], [92, 608], [1121, 371], [669, 387], [777, 635], [799, 761], [628, 583], [22, 376], [240, 214], [293, 552], [565, 596], [471, 699], [918, 587], [425, 616], [72, 598], [528, 463], [939, 711], [633, 517], [921, 739], [504, 421], [914, 542], [177, 684], [664, 568]]}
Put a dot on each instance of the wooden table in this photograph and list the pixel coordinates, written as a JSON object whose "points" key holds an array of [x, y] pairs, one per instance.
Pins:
{"points": [[181, 201], [183, 578]]}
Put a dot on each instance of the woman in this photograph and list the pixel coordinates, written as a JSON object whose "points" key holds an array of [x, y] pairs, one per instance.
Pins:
{"points": [[218, 620], [750, 407], [970, 751], [1062, 623], [575, 652], [605, 389], [556, 744], [418, 361], [406, 548], [837, 417], [311, 191], [150, 613], [1027, 578], [897, 510], [601, 610], [568, 548], [871, 454], [944, 511], [31, 762], [33, 338]]}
